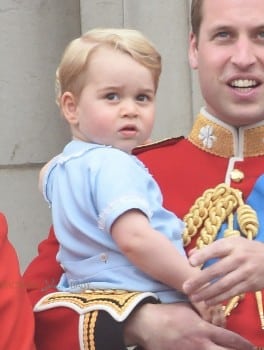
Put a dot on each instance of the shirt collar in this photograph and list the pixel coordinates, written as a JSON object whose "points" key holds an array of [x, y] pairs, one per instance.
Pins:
{"points": [[214, 136]]}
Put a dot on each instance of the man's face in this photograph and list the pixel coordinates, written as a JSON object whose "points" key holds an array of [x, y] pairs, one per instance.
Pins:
{"points": [[229, 56]]}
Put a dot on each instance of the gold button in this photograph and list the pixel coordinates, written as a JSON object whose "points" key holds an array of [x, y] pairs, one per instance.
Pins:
{"points": [[237, 175]]}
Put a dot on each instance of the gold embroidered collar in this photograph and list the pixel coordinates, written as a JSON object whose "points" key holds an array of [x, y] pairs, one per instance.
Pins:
{"points": [[216, 137]]}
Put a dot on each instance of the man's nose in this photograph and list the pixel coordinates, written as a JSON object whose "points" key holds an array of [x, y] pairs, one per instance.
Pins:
{"points": [[244, 54]]}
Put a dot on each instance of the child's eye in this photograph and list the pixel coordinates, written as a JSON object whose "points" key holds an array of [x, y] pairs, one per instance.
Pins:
{"points": [[112, 96], [142, 98], [261, 35]]}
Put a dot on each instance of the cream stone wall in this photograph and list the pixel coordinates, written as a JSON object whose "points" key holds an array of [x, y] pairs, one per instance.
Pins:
{"points": [[33, 34]]}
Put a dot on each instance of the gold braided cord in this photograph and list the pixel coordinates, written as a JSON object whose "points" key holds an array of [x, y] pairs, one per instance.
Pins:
{"points": [[247, 220], [212, 209], [208, 213]]}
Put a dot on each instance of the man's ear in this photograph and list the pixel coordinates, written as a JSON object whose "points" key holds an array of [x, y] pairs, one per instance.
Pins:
{"points": [[193, 51], [69, 108]]}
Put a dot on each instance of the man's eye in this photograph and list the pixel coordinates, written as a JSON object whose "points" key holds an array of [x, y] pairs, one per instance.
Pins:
{"points": [[112, 96], [222, 35]]}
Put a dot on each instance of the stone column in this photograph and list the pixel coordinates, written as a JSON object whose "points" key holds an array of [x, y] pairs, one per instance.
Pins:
{"points": [[33, 34]]}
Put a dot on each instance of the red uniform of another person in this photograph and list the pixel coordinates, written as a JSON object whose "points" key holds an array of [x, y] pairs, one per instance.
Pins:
{"points": [[184, 168], [17, 321]]}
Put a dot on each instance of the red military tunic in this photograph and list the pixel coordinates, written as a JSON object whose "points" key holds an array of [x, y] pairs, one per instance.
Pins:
{"points": [[17, 322], [187, 167], [184, 169]]}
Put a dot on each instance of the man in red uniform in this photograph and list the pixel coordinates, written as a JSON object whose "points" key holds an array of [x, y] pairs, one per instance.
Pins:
{"points": [[17, 321], [225, 145]]}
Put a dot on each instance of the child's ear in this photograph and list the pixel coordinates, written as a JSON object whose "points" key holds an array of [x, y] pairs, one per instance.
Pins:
{"points": [[69, 108]]}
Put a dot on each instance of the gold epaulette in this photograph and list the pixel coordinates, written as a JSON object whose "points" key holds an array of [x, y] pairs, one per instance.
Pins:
{"points": [[157, 144]]}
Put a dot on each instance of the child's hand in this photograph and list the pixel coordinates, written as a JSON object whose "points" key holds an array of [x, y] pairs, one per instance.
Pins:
{"points": [[213, 314]]}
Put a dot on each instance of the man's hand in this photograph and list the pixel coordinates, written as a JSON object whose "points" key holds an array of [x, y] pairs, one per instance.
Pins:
{"points": [[239, 270], [178, 327]]}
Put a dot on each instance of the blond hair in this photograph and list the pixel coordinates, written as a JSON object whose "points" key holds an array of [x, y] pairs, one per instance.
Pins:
{"points": [[70, 72]]}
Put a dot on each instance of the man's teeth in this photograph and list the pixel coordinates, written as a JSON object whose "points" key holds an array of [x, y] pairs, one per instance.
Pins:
{"points": [[246, 83]]}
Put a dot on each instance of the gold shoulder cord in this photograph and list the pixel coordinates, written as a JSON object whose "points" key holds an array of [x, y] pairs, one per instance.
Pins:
{"points": [[209, 212]]}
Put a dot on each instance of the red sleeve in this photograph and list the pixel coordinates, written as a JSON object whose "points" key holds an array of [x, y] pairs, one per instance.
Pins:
{"points": [[43, 273], [56, 328], [17, 325]]}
